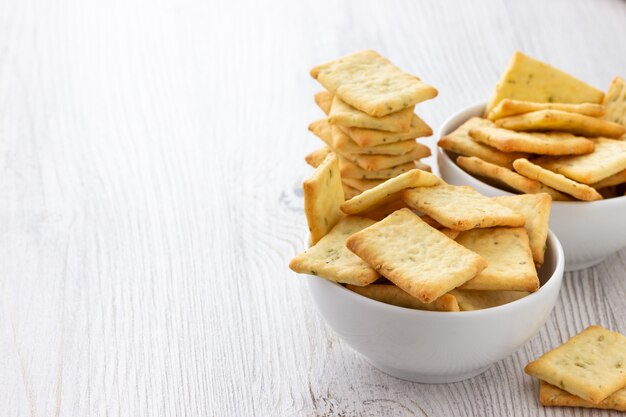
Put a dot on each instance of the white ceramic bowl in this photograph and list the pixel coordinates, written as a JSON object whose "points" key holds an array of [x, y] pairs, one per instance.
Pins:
{"points": [[437, 347], [588, 230]]}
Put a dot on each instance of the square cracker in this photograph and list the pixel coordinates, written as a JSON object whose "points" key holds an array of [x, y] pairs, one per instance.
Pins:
{"points": [[609, 158], [324, 100], [615, 102], [551, 143], [323, 194], [529, 79], [316, 157], [590, 365], [461, 143], [536, 209], [348, 191], [556, 181], [510, 263], [329, 258], [552, 396], [508, 107], [470, 300], [378, 162], [367, 81], [562, 121], [370, 137], [351, 170], [343, 144], [615, 179], [389, 189], [414, 256], [390, 294], [385, 210], [360, 184], [343, 114], [322, 130], [506, 177], [460, 208]]}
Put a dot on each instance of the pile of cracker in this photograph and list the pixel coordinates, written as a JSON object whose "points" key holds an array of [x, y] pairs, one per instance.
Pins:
{"points": [[546, 131], [417, 242], [370, 122], [589, 371]]}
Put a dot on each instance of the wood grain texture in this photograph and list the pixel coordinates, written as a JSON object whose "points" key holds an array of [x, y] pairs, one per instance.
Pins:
{"points": [[150, 163]]}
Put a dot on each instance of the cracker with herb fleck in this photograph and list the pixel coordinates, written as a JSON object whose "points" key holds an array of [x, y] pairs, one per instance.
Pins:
{"points": [[379, 162], [506, 177], [460, 208], [510, 263], [529, 79], [590, 365], [615, 102], [556, 181], [351, 170], [323, 195], [536, 209], [414, 256], [343, 114], [367, 81], [343, 144], [609, 158], [329, 258], [508, 107], [391, 294], [552, 396], [470, 300], [551, 143], [461, 143], [370, 137], [562, 121], [388, 191], [316, 157]]}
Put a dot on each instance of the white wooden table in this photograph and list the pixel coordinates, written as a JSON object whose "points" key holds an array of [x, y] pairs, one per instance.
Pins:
{"points": [[151, 155]]}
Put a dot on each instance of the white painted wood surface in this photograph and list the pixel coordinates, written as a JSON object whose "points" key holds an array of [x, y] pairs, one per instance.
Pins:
{"points": [[150, 159]]}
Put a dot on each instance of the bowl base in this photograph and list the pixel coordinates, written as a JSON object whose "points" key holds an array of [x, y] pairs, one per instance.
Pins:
{"points": [[426, 378], [569, 267]]}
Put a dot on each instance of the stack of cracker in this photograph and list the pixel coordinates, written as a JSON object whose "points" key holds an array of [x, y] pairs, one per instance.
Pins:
{"points": [[417, 242], [370, 125], [546, 131], [589, 371]]}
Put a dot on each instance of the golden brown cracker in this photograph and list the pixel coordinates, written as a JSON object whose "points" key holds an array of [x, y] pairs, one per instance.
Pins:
{"points": [[391, 294], [343, 144], [379, 162], [508, 107], [324, 100], [343, 114], [470, 300], [552, 396], [351, 170], [316, 157], [369, 137], [615, 102]]}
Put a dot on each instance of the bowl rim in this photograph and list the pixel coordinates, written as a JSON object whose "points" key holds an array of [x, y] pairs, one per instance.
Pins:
{"points": [[445, 126], [554, 280]]}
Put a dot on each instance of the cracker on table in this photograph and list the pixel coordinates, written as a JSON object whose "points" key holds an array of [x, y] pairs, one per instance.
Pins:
{"points": [[344, 114], [343, 144], [614, 179], [388, 190], [615, 102], [391, 294], [529, 79], [414, 256], [330, 259], [360, 184], [369, 137], [378, 162], [367, 81], [508, 107], [323, 195], [609, 158], [506, 177], [351, 170], [577, 124], [590, 365], [555, 180], [460, 208], [324, 100], [461, 143], [552, 396], [470, 300], [536, 209], [348, 191], [316, 157], [551, 143], [510, 263]]}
